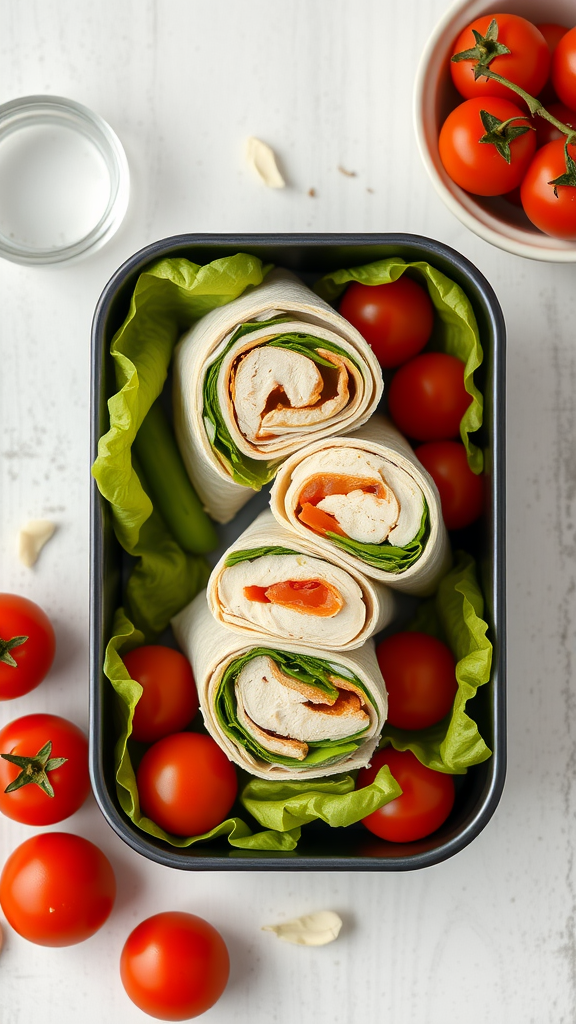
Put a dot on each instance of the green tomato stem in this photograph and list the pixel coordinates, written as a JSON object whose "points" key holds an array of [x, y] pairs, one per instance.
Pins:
{"points": [[501, 130], [534, 105]]}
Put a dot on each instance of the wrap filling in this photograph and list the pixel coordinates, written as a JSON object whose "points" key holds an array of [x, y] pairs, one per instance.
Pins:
{"points": [[280, 386], [365, 505], [290, 594], [293, 709]]}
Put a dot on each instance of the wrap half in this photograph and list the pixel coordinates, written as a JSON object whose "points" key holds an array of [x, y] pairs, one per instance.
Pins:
{"points": [[272, 585], [278, 711], [367, 497], [254, 378]]}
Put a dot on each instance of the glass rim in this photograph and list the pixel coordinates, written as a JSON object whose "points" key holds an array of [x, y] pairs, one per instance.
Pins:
{"points": [[25, 111]]}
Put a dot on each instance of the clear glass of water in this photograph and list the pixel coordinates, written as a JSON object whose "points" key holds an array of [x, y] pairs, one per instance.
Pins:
{"points": [[64, 180]]}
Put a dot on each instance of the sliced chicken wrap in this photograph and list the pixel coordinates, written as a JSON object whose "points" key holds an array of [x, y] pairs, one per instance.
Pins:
{"points": [[279, 711], [367, 497], [255, 378], [272, 585]]}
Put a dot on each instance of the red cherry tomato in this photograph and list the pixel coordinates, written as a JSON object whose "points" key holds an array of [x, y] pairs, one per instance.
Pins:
{"points": [[420, 679], [174, 966], [513, 197], [426, 801], [477, 166], [547, 132], [552, 34], [527, 64], [186, 784], [69, 782], [461, 491], [396, 319], [564, 69], [57, 889], [555, 215], [427, 398], [21, 618], [169, 701]]}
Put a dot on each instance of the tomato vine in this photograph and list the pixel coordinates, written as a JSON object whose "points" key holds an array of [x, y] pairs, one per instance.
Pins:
{"points": [[483, 53]]}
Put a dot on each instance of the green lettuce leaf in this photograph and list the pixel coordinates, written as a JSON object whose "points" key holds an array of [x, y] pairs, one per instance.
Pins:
{"points": [[456, 332], [249, 472], [386, 556], [167, 299], [128, 692], [288, 805], [454, 616], [164, 580], [307, 345], [254, 473], [249, 554], [314, 672]]}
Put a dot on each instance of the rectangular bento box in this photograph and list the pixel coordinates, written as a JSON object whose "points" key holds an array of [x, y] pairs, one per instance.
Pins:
{"points": [[321, 848]]}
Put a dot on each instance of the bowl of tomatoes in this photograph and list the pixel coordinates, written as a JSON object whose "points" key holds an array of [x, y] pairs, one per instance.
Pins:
{"points": [[502, 168]]}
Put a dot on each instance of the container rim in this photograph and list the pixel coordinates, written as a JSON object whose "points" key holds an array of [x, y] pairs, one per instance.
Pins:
{"points": [[250, 861]]}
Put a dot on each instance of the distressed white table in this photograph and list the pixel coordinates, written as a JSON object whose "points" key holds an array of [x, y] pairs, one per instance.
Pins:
{"points": [[489, 935]]}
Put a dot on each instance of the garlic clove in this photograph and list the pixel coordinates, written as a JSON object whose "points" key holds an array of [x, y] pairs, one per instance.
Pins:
{"points": [[263, 159], [310, 930], [32, 538]]}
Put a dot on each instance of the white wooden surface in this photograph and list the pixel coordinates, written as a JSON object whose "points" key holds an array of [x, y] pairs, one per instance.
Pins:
{"points": [[489, 935]]}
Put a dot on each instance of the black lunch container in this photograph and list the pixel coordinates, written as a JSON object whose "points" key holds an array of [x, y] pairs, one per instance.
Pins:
{"points": [[321, 848]]}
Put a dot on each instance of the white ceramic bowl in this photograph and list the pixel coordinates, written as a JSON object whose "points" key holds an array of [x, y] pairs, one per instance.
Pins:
{"points": [[494, 219]]}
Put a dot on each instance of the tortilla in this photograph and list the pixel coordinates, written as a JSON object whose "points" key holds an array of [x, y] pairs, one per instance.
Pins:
{"points": [[382, 514], [278, 711], [312, 600], [256, 378]]}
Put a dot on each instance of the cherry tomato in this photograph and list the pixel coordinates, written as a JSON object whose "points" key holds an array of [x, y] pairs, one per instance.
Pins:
{"points": [[513, 197], [186, 784], [552, 34], [396, 319], [420, 679], [174, 966], [461, 491], [547, 132], [527, 64], [57, 889], [53, 790], [564, 69], [555, 215], [426, 801], [427, 398], [27, 645], [169, 701], [477, 166]]}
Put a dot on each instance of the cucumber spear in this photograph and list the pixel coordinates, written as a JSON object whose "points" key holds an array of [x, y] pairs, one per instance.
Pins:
{"points": [[170, 488]]}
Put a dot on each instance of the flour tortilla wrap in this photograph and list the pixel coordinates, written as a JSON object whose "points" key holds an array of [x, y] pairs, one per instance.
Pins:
{"points": [[348, 608], [247, 396], [277, 710], [387, 522]]}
